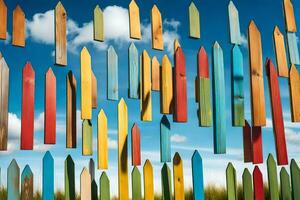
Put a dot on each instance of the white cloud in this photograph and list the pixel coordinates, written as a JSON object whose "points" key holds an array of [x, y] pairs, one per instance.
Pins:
{"points": [[39, 122], [8, 38], [112, 144], [177, 138], [39, 146], [14, 125], [244, 41], [292, 136]]}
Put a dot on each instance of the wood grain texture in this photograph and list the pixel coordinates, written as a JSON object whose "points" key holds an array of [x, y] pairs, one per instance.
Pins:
{"points": [[166, 182], [294, 87], [257, 151], [134, 21], [85, 185], [202, 70], [156, 29], [178, 177], [285, 186], [280, 52], [50, 108], [155, 74], [258, 184], [134, 72], [98, 24], [69, 178], [295, 179], [112, 74], [247, 142], [102, 140], [60, 35], [277, 114], [204, 111], [87, 137], [165, 140], [194, 21], [136, 184], [104, 187], [27, 184], [197, 175], [231, 182], [293, 48], [48, 176], [290, 23], [71, 110], [234, 24], [19, 29], [94, 90], [166, 84], [13, 181], [135, 145], [86, 84], [180, 88], [247, 185], [146, 99], [27, 118], [3, 20], [272, 178], [148, 181]]}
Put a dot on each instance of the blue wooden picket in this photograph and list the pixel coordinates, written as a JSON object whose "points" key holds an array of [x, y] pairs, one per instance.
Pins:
{"points": [[234, 24], [134, 75], [13, 181], [48, 177], [112, 74], [165, 140], [293, 48], [27, 184], [197, 174]]}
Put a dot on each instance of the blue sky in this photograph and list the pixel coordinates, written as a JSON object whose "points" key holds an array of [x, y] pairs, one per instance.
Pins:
{"points": [[186, 137]]}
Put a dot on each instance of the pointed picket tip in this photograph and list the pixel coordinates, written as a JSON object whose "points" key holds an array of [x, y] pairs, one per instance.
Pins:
{"points": [[133, 5], [111, 50], [277, 31], [104, 177], [85, 52], [148, 164], [2, 3], [166, 60], [176, 158], [165, 167], [232, 6], [69, 159], [155, 9], [85, 172], [122, 103], [48, 156], [196, 156], [176, 44], [27, 170], [252, 27], [202, 51], [102, 115], [98, 9], [59, 5], [145, 54], [136, 170], [230, 166], [293, 70], [217, 45], [256, 170], [164, 120], [19, 9], [28, 67], [294, 163], [271, 159], [237, 50], [246, 172], [135, 126], [154, 59], [283, 171], [14, 164], [132, 45]]}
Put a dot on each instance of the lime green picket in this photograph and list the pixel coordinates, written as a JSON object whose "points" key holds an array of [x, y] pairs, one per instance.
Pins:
{"points": [[295, 177], [104, 187], [272, 178], [231, 182], [247, 185], [136, 184], [285, 185]]}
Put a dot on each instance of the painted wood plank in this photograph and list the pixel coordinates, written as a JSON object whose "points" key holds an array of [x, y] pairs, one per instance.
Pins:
{"points": [[146, 100], [134, 74], [86, 84], [166, 182], [258, 184], [165, 140], [104, 187], [197, 175], [98, 24], [85, 185], [134, 21], [257, 151], [112, 74], [136, 184], [135, 145], [280, 52], [202, 70], [219, 113], [27, 184], [3, 20], [247, 185], [277, 114], [294, 87], [247, 142], [50, 108], [290, 23], [92, 168], [272, 178], [19, 29], [231, 182], [176, 44], [295, 179], [71, 110], [156, 29], [194, 21], [13, 181], [256, 76], [60, 34], [69, 178], [48, 176], [148, 181], [27, 118], [87, 137], [285, 186], [204, 112], [94, 188], [180, 88], [122, 150], [178, 177], [234, 24], [293, 48], [102, 140], [94, 91], [238, 114], [166, 91], [155, 74], [4, 91]]}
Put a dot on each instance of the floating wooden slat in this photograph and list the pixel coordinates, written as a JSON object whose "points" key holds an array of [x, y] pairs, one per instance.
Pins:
{"points": [[136, 184], [247, 142], [257, 152], [3, 20], [102, 140], [194, 21], [27, 120], [166, 182], [148, 181], [272, 178], [94, 90], [197, 174], [27, 184], [60, 34], [294, 84], [86, 84], [98, 24], [135, 145], [277, 115], [258, 184], [146, 102], [290, 23], [48, 176], [4, 90], [134, 76], [87, 137], [178, 177], [50, 108], [293, 48], [122, 150], [94, 188], [295, 179], [256, 76], [13, 181], [165, 139], [231, 182], [176, 44], [69, 178], [219, 114], [155, 74], [280, 53], [71, 111], [85, 185], [247, 185], [156, 27], [202, 70], [180, 90], [19, 29], [92, 168], [104, 187], [134, 21], [234, 24], [112, 74], [285, 186], [166, 93]]}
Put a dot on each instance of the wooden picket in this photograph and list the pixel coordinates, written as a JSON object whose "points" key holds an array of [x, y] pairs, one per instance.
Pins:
{"points": [[145, 85], [285, 186], [136, 184], [27, 184], [50, 108], [155, 74], [87, 137], [231, 182], [166, 182], [165, 140], [290, 23], [293, 48], [247, 185], [98, 24], [148, 181], [234, 24], [102, 140], [48, 176], [85, 185], [134, 21], [13, 181], [176, 45], [135, 145], [4, 91], [60, 34], [194, 21], [219, 113], [19, 29], [86, 84], [178, 177], [112, 74], [3, 20], [202, 70], [295, 179], [122, 150], [294, 86], [69, 178], [27, 118], [166, 90], [256, 76], [257, 152], [272, 178], [94, 90], [92, 169], [157, 30], [247, 142], [258, 184], [104, 187], [197, 174], [94, 190], [280, 52], [134, 76]]}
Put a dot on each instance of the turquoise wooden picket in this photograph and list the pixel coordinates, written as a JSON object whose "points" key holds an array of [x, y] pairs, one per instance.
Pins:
{"points": [[234, 24], [134, 74], [48, 177], [272, 178], [293, 48], [197, 174], [69, 178], [165, 140], [112, 74], [27, 184], [13, 181]]}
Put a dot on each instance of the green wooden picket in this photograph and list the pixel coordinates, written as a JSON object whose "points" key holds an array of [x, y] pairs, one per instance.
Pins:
{"points": [[87, 137], [285, 186], [194, 21], [69, 178], [231, 182], [136, 184], [104, 187], [272, 178], [166, 182], [247, 185], [295, 179]]}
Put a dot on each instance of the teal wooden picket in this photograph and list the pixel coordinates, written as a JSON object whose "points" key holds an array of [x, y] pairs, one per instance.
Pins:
{"points": [[48, 177], [197, 174], [27, 184], [13, 181], [136, 184], [234, 24], [285, 186], [165, 140], [295, 179], [247, 185], [69, 178], [231, 182], [104, 187], [134, 74], [166, 182], [112, 74], [272, 178]]}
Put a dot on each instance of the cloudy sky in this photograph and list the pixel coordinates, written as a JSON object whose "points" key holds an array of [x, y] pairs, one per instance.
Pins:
{"points": [[186, 137]]}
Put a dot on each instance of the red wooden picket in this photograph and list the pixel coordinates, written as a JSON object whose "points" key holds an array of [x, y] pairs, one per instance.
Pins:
{"points": [[247, 142], [258, 184], [203, 67], [135, 145], [257, 151]]}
